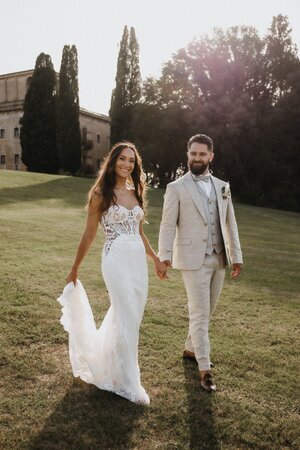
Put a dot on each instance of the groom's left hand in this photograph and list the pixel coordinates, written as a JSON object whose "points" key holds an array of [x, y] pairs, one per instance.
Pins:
{"points": [[236, 270]]}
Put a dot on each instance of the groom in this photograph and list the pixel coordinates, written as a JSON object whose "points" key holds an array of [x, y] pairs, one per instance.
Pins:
{"points": [[199, 235]]}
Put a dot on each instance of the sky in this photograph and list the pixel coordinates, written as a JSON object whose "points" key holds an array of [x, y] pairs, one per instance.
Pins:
{"points": [[29, 27]]}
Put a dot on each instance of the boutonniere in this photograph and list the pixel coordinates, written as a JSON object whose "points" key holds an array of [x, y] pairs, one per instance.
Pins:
{"points": [[226, 191]]}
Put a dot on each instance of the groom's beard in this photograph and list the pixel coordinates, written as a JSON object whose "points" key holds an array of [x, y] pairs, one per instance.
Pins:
{"points": [[198, 168]]}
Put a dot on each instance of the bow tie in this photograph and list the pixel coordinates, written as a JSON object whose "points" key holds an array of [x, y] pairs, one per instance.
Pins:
{"points": [[205, 178]]}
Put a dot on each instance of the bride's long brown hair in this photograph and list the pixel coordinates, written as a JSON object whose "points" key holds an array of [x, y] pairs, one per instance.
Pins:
{"points": [[106, 180]]}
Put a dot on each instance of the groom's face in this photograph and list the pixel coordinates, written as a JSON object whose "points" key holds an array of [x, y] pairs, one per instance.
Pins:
{"points": [[199, 158]]}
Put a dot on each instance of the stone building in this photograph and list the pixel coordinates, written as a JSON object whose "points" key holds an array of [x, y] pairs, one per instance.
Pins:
{"points": [[95, 128]]}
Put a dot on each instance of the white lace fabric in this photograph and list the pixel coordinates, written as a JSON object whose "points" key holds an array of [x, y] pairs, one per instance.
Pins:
{"points": [[108, 356], [119, 220]]}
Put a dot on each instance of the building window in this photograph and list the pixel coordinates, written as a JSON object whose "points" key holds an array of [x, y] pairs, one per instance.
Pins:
{"points": [[16, 132], [17, 161], [2, 160], [98, 138], [2, 133]]}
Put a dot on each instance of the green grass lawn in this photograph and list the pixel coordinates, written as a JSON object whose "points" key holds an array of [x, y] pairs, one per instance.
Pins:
{"points": [[253, 335]]}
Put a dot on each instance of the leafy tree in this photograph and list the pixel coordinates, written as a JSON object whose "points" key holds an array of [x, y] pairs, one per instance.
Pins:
{"points": [[162, 145], [281, 56], [220, 85], [68, 127], [281, 157], [38, 126]]}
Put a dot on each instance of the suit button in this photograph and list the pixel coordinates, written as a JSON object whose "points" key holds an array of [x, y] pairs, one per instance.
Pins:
{"points": [[213, 223], [213, 234], [204, 240], [205, 224]]}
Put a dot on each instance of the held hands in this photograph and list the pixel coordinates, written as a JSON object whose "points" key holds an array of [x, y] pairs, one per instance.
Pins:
{"points": [[161, 269], [236, 270], [72, 276]]}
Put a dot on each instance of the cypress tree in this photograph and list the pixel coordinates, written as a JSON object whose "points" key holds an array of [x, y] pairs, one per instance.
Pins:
{"points": [[127, 92], [68, 127], [134, 83], [38, 131], [120, 93]]}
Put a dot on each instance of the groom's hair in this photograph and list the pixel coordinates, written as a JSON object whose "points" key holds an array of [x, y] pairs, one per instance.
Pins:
{"points": [[201, 139]]}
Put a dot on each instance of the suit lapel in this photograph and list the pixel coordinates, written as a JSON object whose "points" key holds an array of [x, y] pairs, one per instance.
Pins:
{"points": [[191, 187], [218, 189]]}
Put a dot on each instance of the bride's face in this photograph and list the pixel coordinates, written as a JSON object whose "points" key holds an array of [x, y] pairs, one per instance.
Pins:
{"points": [[125, 163]]}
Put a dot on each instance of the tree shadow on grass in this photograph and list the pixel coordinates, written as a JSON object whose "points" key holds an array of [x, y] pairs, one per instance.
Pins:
{"points": [[72, 190], [89, 418], [201, 415]]}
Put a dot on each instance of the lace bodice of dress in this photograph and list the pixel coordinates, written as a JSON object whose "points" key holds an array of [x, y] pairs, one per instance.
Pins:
{"points": [[120, 220]]}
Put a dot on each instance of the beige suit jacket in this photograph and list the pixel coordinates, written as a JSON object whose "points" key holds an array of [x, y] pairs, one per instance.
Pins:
{"points": [[184, 231]]}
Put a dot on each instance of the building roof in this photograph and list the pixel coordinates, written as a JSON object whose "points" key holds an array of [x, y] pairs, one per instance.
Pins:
{"points": [[19, 104], [22, 72], [95, 115]]}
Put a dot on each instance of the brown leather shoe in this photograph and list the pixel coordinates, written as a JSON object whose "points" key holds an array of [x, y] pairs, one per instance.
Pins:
{"points": [[207, 383], [191, 355]]}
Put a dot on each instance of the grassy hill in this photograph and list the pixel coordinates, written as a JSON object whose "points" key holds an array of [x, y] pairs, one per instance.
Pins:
{"points": [[253, 335]]}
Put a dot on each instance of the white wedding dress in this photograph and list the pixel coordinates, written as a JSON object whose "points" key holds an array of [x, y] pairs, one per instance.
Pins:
{"points": [[108, 357]]}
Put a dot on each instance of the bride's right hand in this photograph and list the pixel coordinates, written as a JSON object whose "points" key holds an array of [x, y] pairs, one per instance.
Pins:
{"points": [[72, 276]]}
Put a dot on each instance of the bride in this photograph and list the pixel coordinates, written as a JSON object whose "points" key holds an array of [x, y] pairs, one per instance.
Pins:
{"points": [[108, 357]]}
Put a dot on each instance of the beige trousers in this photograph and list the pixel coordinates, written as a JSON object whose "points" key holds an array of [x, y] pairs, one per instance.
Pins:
{"points": [[203, 287]]}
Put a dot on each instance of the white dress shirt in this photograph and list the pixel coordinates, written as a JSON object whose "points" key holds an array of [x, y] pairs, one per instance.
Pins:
{"points": [[206, 186]]}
